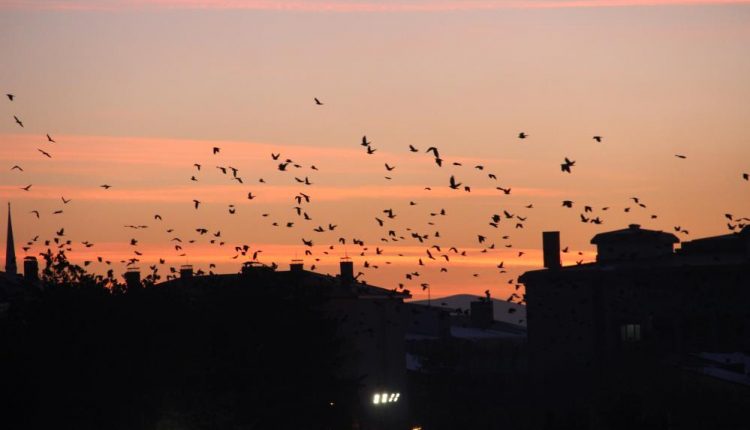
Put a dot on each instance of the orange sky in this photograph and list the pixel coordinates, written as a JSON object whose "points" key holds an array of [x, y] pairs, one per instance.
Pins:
{"points": [[136, 93]]}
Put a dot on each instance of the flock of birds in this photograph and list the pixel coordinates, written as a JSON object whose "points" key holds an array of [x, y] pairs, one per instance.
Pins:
{"points": [[434, 252]]}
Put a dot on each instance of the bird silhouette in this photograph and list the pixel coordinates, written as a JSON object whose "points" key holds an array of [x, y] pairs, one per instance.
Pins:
{"points": [[453, 184], [597, 138], [196, 203], [65, 201], [18, 121], [45, 153], [522, 135], [216, 150], [27, 187], [105, 186], [49, 139], [17, 167], [680, 156], [10, 96], [318, 102], [565, 167], [413, 149]]}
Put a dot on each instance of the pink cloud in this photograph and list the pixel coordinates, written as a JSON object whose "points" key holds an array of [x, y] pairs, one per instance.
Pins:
{"points": [[344, 6]]}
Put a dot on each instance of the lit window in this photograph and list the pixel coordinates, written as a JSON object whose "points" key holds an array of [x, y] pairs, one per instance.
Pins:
{"points": [[385, 398], [630, 332]]}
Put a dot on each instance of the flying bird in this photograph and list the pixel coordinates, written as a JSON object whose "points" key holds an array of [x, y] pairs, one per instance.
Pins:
{"points": [[597, 138], [216, 150], [565, 167], [522, 135], [46, 154], [10, 96], [318, 102], [65, 201], [18, 121], [105, 186], [681, 156], [27, 187], [413, 149], [196, 203], [50, 139], [504, 190], [17, 167]]}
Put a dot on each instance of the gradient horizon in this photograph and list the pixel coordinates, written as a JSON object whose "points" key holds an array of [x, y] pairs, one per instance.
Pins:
{"points": [[137, 92]]}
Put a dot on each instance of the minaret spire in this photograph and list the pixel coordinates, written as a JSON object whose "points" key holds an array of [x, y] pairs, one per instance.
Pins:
{"points": [[10, 250]]}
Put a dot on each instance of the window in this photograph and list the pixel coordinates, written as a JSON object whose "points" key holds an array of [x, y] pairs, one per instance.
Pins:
{"points": [[630, 332]]}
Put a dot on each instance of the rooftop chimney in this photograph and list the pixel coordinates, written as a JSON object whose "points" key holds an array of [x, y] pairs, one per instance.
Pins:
{"points": [[186, 271], [132, 278], [296, 265], [482, 313], [30, 269], [551, 247], [347, 271]]}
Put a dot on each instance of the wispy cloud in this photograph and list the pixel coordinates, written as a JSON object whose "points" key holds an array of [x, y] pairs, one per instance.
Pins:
{"points": [[265, 194], [385, 6]]}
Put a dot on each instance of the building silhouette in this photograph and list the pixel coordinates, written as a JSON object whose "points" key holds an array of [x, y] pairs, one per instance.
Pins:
{"points": [[371, 325], [13, 285], [10, 249], [640, 298]]}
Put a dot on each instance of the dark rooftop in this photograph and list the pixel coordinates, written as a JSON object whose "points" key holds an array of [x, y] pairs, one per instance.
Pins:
{"points": [[634, 232]]}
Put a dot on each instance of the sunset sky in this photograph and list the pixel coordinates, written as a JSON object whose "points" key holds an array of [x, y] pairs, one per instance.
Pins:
{"points": [[134, 92]]}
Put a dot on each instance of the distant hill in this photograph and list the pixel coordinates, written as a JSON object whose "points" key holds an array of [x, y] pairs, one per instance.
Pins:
{"points": [[500, 307]]}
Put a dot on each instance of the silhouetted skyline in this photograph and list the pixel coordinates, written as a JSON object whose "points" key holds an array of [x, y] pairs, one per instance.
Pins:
{"points": [[122, 129]]}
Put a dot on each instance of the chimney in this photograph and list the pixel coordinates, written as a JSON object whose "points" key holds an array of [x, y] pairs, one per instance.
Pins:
{"points": [[482, 313], [551, 247], [30, 269], [186, 271], [132, 278], [347, 271], [296, 266]]}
